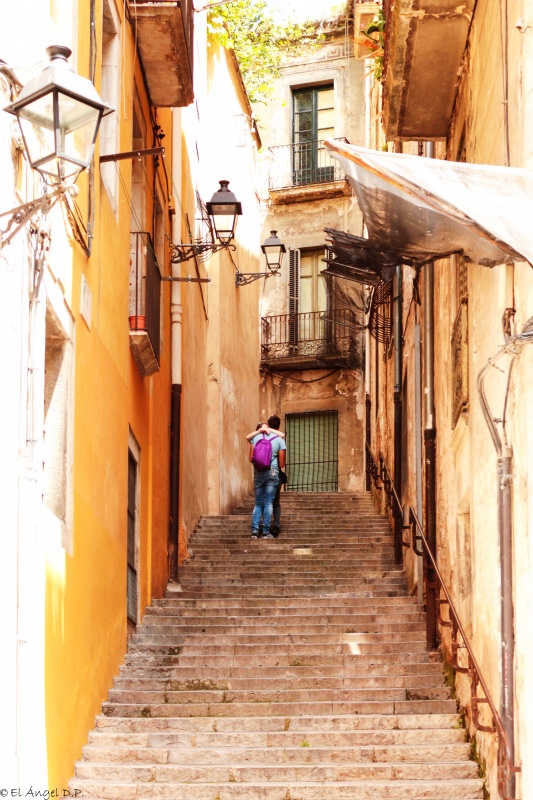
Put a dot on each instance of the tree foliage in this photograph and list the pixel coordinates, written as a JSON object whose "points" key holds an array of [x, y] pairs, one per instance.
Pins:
{"points": [[261, 44]]}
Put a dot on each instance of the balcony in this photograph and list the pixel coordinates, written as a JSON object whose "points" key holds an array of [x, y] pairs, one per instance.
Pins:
{"points": [[425, 42], [304, 171], [164, 31], [145, 304], [311, 340]]}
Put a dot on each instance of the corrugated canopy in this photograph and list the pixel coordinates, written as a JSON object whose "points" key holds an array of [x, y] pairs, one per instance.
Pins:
{"points": [[417, 209]]}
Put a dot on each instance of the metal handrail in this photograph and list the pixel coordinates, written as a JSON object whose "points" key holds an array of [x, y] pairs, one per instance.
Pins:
{"points": [[506, 767]]}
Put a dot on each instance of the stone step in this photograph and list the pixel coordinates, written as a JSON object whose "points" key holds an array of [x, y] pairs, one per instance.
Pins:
{"points": [[276, 617], [337, 631], [175, 683], [304, 752], [390, 723], [288, 772], [270, 739], [176, 601], [316, 708], [268, 634], [451, 789], [175, 695], [294, 658], [285, 591], [339, 672]]}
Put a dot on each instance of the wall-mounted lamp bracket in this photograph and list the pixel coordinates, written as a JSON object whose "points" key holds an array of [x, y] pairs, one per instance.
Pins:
{"points": [[21, 214], [184, 252], [243, 278], [151, 151]]}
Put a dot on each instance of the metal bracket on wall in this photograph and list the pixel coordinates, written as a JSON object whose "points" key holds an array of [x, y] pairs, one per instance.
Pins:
{"points": [[188, 279], [152, 151]]}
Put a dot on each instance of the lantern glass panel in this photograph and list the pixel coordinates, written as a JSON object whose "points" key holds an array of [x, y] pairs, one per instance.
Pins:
{"points": [[225, 221], [59, 131]]}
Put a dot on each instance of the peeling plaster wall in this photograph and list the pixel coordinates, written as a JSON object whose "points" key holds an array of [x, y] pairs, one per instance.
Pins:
{"points": [[317, 390], [300, 224]]}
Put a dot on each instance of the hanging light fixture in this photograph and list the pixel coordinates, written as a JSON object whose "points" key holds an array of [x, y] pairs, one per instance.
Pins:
{"points": [[224, 210], [59, 114], [273, 248]]}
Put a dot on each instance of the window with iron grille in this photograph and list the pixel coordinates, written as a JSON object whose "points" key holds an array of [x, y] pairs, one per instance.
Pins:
{"points": [[313, 121], [312, 452]]}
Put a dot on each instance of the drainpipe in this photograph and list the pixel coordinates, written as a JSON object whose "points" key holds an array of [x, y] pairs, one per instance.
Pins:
{"points": [[175, 395], [398, 335], [505, 529], [505, 477]]}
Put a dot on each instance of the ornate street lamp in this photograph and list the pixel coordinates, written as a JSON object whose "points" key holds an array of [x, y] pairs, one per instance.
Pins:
{"points": [[223, 210], [59, 114], [273, 248]]}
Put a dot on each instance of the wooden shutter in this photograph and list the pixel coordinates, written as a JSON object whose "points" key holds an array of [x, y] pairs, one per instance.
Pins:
{"points": [[294, 282]]}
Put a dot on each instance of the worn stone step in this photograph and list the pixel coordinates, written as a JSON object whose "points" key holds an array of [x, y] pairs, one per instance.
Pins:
{"points": [[224, 683], [269, 739], [289, 772], [421, 723], [283, 673], [273, 695], [452, 789], [287, 709], [304, 752], [177, 655]]}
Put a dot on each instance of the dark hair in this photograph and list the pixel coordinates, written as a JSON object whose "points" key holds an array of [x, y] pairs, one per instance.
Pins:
{"points": [[274, 422]]}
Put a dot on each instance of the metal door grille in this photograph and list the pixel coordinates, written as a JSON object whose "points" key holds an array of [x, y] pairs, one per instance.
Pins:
{"points": [[312, 452]]}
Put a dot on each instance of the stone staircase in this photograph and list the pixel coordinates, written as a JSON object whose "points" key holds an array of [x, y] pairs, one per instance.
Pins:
{"points": [[285, 669]]}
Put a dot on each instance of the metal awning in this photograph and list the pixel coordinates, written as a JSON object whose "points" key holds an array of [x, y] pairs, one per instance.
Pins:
{"points": [[418, 209], [358, 259]]}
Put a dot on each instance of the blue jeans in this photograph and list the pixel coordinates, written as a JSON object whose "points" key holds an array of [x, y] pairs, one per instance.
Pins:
{"points": [[265, 486]]}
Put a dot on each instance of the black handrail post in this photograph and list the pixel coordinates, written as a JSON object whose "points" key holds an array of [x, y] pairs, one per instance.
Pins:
{"points": [[368, 433]]}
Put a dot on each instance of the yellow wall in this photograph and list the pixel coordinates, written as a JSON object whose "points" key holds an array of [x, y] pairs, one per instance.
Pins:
{"points": [[86, 625]]}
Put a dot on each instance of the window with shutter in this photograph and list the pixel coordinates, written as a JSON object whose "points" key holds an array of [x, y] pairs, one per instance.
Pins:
{"points": [[294, 283], [313, 121]]}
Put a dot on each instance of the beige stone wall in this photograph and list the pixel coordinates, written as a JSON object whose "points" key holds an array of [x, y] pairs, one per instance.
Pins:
{"points": [[300, 223], [317, 390]]}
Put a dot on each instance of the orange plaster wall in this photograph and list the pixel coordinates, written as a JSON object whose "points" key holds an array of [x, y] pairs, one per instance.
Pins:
{"points": [[86, 625]]}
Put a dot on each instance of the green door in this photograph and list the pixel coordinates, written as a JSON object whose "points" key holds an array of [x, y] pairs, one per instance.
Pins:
{"points": [[312, 452]]}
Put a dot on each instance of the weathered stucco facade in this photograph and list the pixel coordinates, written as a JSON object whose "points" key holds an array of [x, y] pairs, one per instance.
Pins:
{"points": [[301, 200], [89, 409], [476, 311]]}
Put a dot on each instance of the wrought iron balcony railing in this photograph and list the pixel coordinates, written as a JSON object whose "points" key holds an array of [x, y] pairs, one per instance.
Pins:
{"points": [[317, 336], [302, 164]]}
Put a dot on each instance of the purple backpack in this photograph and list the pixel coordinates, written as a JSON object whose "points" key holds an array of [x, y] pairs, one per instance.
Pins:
{"points": [[262, 454]]}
